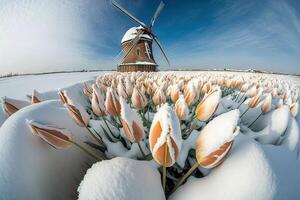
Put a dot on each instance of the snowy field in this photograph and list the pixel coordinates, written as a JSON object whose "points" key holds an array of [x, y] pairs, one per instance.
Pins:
{"points": [[165, 135]]}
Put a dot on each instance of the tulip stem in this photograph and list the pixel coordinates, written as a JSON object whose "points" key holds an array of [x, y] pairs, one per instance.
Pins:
{"points": [[97, 139], [96, 157], [244, 112], [164, 168], [255, 120], [108, 128], [143, 154], [183, 178]]}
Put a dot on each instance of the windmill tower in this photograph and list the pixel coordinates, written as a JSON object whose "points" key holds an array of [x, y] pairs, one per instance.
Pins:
{"points": [[137, 44]]}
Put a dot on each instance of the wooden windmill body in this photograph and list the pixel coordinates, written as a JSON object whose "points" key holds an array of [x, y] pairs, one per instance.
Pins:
{"points": [[137, 44]]}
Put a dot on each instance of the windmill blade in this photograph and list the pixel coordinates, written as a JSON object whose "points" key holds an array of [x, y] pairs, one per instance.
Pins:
{"points": [[157, 12], [134, 43], [128, 14], [160, 46]]}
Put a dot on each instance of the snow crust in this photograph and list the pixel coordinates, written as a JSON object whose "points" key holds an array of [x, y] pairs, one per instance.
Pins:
{"points": [[121, 179], [131, 34], [32, 169], [251, 171]]}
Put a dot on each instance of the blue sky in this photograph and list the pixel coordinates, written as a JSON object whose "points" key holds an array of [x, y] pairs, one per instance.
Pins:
{"points": [[38, 36]]}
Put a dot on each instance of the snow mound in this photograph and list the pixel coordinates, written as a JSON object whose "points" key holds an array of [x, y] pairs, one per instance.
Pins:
{"points": [[251, 171], [121, 179], [278, 121], [32, 169]]}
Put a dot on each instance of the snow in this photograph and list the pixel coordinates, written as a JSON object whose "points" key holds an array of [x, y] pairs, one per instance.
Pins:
{"points": [[25, 158], [121, 179], [131, 34], [251, 171], [217, 132]]}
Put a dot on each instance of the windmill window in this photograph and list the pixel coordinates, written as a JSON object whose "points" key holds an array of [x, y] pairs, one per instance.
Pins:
{"points": [[138, 51]]}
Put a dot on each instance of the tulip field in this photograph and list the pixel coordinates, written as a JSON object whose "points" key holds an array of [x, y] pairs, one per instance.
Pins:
{"points": [[156, 135]]}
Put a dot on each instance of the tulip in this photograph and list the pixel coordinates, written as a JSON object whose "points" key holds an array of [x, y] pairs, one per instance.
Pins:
{"points": [[112, 103], [165, 138], [181, 108], [138, 99], [10, 106], [253, 102], [265, 107], [214, 142], [159, 97], [36, 97], [279, 103], [98, 104], [128, 87], [252, 91], [206, 88], [208, 106], [122, 90], [78, 114], [87, 90], [294, 107], [132, 125], [190, 93], [174, 93], [62, 96], [274, 92], [57, 137]]}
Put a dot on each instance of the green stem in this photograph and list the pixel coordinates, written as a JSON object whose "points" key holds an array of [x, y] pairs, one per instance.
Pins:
{"points": [[244, 112], [108, 128], [144, 155], [255, 120], [182, 179], [97, 139], [164, 167], [96, 157]]}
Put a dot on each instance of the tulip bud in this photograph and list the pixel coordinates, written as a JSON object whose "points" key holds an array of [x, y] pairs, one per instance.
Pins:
{"points": [[78, 114], [138, 99], [208, 106], [159, 97], [274, 92], [132, 123], [87, 90], [56, 137], [62, 96], [244, 88], [112, 103], [10, 106], [190, 93], [206, 88], [128, 86], [181, 108], [174, 93], [122, 90], [216, 139], [294, 107], [165, 136], [252, 91], [98, 104], [254, 101], [36, 97], [266, 106]]}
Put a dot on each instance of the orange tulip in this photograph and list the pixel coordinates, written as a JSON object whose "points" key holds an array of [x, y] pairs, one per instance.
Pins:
{"points": [[174, 93], [78, 114], [294, 107], [266, 106], [112, 103], [208, 106], [216, 139], [165, 136], [122, 90], [98, 104], [159, 97], [132, 123], [56, 137], [181, 108], [190, 93], [10, 106], [87, 90], [138, 99], [254, 101], [36, 97]]}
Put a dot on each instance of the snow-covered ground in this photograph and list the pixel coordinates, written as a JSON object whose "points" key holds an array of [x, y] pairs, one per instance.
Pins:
{"points": [[19, 86], [263, 163]]}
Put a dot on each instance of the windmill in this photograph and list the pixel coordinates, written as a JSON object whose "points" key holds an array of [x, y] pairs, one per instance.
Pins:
{"points": [[137, 44]]}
